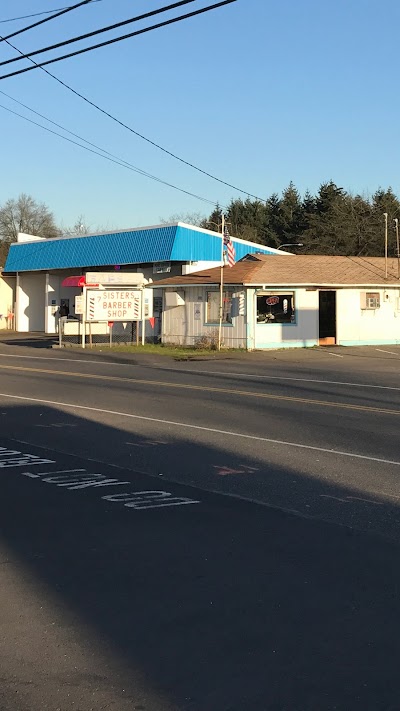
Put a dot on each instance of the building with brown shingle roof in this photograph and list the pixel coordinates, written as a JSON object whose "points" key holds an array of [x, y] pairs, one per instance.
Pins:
{"points": [[286, 301]]}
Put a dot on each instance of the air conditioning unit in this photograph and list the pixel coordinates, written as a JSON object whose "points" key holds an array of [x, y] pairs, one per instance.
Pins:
{"points": [[174, 298], [370, 300]]}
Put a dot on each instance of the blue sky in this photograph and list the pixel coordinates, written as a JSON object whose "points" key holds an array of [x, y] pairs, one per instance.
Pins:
{"points": [[257, 93]]}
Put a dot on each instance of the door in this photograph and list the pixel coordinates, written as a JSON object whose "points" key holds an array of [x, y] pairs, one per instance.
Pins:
{"points": [[327, 318]]}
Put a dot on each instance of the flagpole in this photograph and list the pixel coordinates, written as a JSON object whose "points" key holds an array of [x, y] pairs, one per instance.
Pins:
{"points": [[221, 281]]}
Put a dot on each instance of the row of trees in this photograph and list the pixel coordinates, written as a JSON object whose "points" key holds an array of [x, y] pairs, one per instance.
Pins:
{"points": [[331, 222], [25, 214]]}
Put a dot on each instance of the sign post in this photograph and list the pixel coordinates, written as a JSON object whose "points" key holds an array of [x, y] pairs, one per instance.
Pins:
{"points": [[143, 320], [83, 318]]}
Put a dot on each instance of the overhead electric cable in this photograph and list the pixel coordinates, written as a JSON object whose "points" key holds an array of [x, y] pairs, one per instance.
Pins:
{"points": [[117, 161], [37, 14], [140, 135], [97, 32], [120, 39], [46, 19], [136, 133], [59, 125]]}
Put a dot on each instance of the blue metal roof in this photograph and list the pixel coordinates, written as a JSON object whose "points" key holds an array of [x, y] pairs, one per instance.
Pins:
{"points": [[176, 242]]}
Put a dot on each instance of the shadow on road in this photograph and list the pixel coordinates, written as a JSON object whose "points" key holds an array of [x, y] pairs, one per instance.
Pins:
{"points": [[29, 340], [219, 606]]}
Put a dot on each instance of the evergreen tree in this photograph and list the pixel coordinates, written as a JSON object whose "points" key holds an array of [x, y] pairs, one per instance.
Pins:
{"points": [[331, 222], [290, 215]]}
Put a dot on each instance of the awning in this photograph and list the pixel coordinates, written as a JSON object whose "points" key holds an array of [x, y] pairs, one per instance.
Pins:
{"points": [[74, 281]]}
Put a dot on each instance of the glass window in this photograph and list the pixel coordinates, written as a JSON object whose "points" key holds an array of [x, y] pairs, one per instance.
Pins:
{"points": [[213, 303], [275, 308]]}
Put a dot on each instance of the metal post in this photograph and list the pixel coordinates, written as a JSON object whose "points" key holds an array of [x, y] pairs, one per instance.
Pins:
{"points": [[385, 215], [17, 320], [221, 282], [143, 320], [84, 318], [396, 222]]}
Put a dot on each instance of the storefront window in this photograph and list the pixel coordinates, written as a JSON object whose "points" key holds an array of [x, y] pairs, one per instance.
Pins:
{"points": [[275, 308], [213, 304]]}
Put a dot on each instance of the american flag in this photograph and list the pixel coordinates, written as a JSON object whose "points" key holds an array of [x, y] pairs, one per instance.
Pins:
{"points": [[230, 250]]}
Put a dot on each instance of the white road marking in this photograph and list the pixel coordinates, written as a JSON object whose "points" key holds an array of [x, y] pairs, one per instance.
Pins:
{"points": [[39, 474], [146, 443], [225, 373], [23, 461], [61, 471], [349, 499], [57, 424], [335, 354], [336, 498], [212, 430], [56, 358], [138, 500], [149, 499], [390, 352], [366, 501], [81, 481], [283, 377]]}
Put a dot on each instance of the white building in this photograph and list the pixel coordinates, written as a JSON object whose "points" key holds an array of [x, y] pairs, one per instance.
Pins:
{"points": [[41, 266], [7, 302], [286, 302]]}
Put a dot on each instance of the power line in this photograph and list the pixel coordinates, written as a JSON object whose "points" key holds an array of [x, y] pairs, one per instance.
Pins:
{"points": [[59, 125], [134, 132], [37, 14], [33, 14], [116, 160], [119, 39], [96, 32], [46, 19]]}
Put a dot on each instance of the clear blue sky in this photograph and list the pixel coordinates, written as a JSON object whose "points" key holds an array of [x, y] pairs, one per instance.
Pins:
{"points": [[258, 93]]}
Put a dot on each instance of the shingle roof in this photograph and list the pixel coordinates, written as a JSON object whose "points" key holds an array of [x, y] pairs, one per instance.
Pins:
{"points": [[313, 270]]}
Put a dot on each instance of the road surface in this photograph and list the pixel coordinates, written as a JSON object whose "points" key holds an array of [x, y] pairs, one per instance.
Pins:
{"points": [[211, 535]]}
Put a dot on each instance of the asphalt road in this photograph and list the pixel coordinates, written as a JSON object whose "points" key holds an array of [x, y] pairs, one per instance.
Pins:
{"points": [[212, 535]]}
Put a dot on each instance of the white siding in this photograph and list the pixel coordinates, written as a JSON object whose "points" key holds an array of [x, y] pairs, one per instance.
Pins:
{"points": [[7, 300], [359, 326], [355, 326], [179, 325], [30, 311], [191, 267], [303, 332]]}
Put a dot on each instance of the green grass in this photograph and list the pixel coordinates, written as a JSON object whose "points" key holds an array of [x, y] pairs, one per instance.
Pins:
{"points": [[174, 351]]}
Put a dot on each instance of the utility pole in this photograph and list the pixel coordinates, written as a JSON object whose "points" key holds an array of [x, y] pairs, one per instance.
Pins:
{"points": [[385, 215], [221, 281], [396, 224]]}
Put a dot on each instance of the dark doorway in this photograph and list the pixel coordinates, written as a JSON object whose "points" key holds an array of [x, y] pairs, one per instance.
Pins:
{"points": [[327, 318]]}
